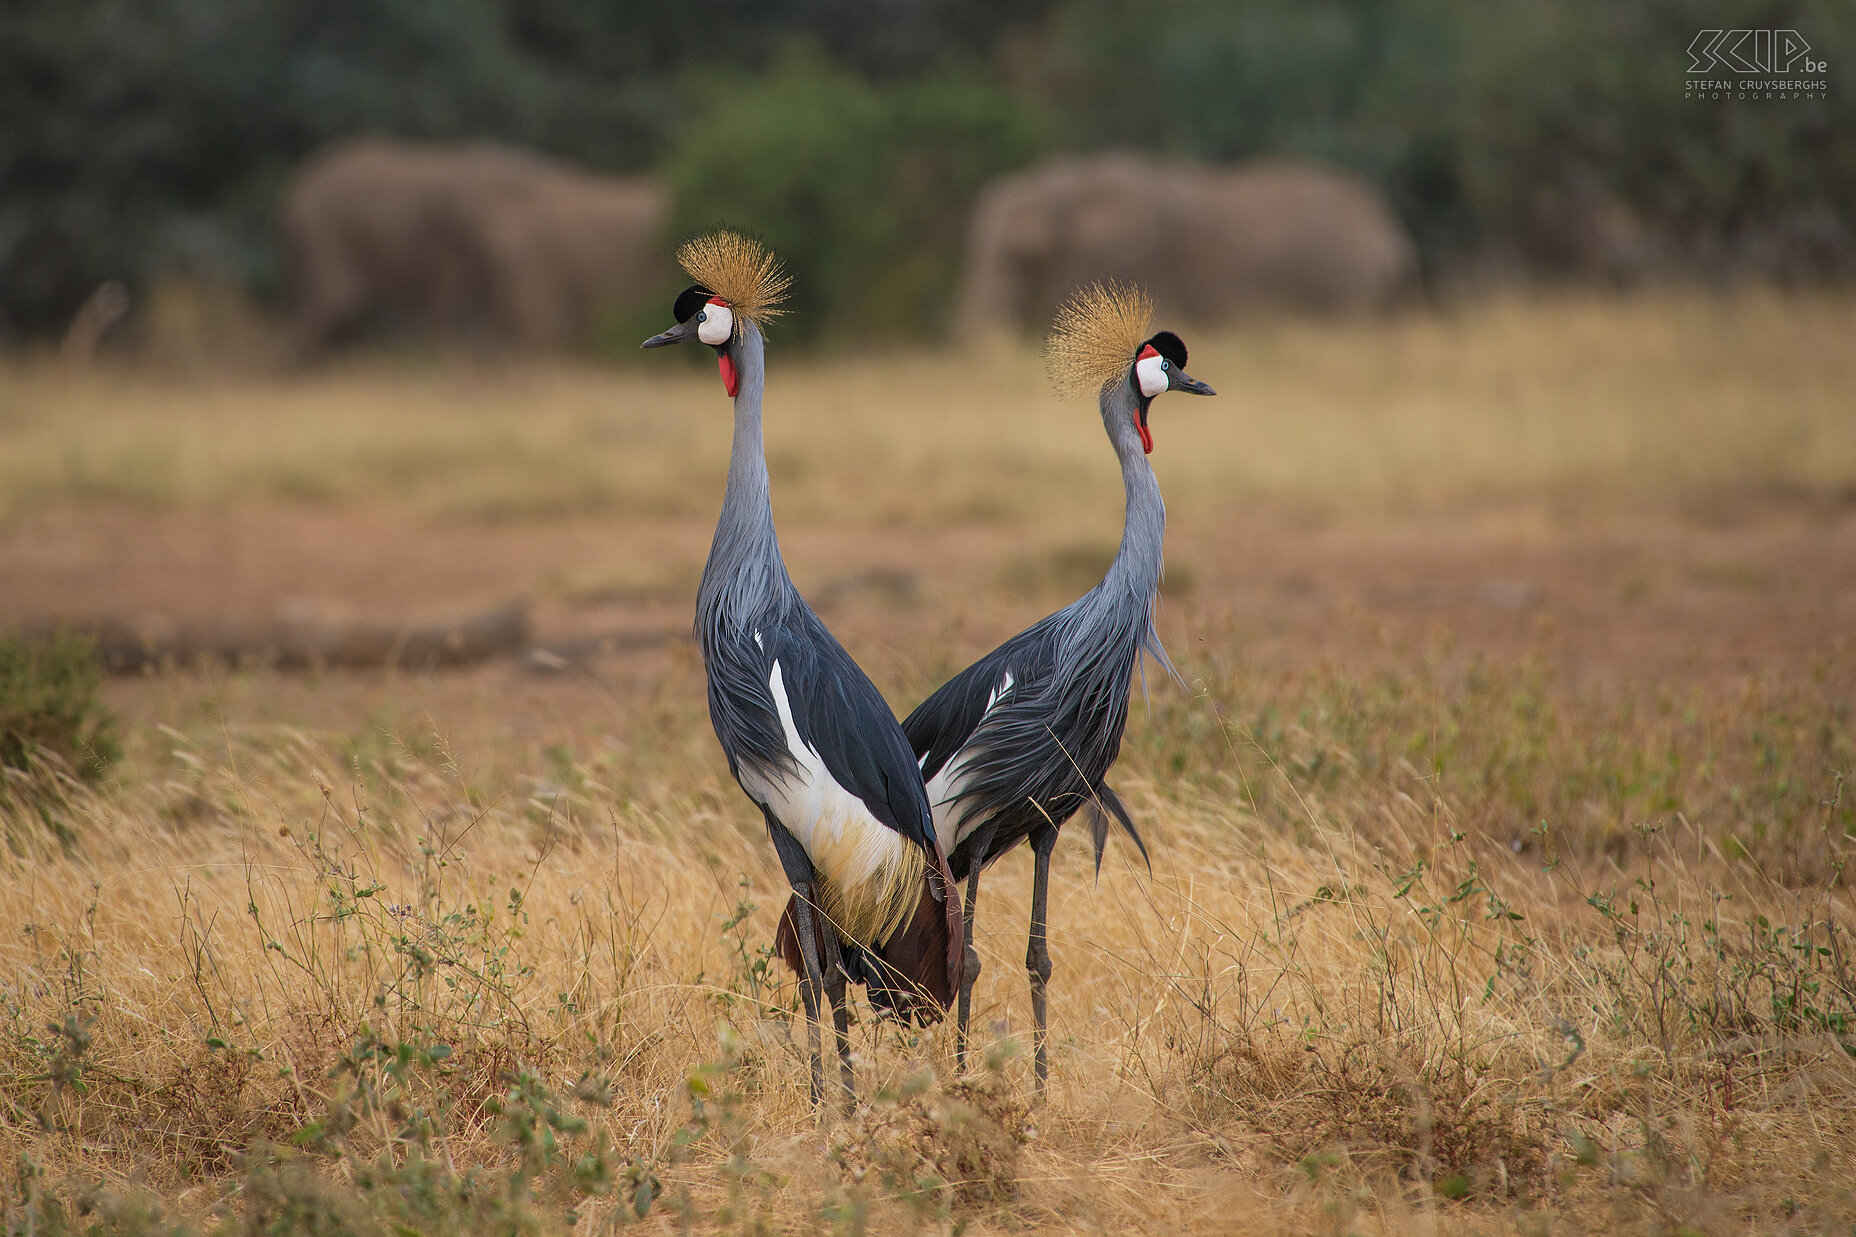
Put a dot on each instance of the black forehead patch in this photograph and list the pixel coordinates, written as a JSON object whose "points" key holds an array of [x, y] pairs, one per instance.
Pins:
{"points": [[1170, 346], [692, 299]]}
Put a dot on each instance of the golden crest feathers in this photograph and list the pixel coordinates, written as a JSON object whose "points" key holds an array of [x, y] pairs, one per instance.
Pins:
{"points": [[739, 270], [1095, 336]]}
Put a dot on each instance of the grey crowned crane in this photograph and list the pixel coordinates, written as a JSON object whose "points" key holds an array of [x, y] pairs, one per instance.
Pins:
{"points": [[806, 733], [1012, 746]]}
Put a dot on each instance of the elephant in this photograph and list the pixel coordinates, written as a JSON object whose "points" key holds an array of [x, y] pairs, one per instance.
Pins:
{"points": [[465, 238], [1207, 242]]}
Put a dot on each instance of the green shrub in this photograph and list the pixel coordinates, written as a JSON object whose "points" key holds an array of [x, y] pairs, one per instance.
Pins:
{"points": [[862, 190], [49, 705]]}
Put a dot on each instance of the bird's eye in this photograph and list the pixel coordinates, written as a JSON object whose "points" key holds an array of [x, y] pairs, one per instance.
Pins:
{"points": [[703, 316], [1166, 365]]}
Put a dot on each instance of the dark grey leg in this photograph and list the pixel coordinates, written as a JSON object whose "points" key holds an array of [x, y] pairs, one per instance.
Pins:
{"points": [[840, 1016], [1037, 953], [811, 984], [970, 971]]}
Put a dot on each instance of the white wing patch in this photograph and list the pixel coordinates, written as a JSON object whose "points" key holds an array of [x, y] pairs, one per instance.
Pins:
{"points": [[998, 693], [869, 874], [757, 639], [945, 787]]}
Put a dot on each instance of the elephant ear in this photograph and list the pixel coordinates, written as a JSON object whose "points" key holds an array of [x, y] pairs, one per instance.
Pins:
{"points": [[1096, 335]]}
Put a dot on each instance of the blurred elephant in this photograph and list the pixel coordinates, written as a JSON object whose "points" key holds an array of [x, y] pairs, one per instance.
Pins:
{"points": [[1207, 242], [472, 237]]}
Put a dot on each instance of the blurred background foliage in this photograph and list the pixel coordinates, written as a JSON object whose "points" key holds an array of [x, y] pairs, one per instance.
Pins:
{"points": [[1479, 119], [858, 185], [143, 136]]}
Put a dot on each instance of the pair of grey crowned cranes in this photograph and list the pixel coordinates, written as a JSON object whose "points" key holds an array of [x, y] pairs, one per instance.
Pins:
{"points": [[877, 823]]}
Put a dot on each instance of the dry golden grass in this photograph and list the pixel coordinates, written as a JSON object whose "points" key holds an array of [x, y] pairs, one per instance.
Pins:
{"points": [[318, 945], [1335, 1005], [1580, 397]]}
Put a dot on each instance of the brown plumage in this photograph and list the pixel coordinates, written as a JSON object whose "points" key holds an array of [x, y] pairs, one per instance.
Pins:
{"points": [[916, 971], [1095, 337], [739, 270]]}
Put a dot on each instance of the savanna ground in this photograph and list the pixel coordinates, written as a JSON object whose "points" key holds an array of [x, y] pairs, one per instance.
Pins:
{"points": [[1498, 826]]}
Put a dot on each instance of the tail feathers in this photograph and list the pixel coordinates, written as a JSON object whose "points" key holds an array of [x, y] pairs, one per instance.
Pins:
{"points": [[1104, 804], [913, 975], [920, 965]]}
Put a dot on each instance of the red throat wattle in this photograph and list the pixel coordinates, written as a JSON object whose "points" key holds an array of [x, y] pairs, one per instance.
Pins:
{"points": [[731, 378], [1140, 418]]}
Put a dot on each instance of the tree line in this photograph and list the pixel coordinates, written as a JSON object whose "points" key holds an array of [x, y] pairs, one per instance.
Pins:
{"points": [[140, 136]]}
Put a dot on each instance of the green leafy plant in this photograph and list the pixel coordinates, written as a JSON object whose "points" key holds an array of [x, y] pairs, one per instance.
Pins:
{"points": [[49, 705], [861, 189]]}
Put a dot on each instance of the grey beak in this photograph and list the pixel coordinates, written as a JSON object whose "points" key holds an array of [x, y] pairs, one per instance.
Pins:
{"points": [[1181, 381], [675, 335]]}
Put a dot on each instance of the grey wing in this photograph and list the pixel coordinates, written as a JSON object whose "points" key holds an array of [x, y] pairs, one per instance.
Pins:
{"points": [[840, 713], [942, 724]]}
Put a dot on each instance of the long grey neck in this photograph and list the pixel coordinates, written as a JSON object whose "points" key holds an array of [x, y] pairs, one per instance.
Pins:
{"points": [[1136, 570], [744, 571]]}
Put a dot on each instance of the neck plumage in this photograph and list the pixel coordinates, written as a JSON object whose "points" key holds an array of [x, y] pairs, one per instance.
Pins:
{"points": [[1136, 570], [745, 570]]}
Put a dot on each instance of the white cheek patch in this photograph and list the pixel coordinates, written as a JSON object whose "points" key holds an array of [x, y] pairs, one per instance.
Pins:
{"points": [[717, 325], [1150, 375]]}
